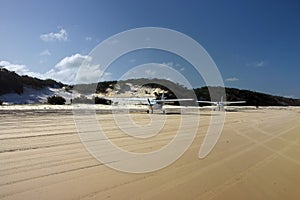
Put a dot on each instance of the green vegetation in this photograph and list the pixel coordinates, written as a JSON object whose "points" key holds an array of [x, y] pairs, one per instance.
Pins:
{"points": [[175, 90], [10, 82], [56, 100], [99, 100], [252, 98], [95, 100], [103, 86]]}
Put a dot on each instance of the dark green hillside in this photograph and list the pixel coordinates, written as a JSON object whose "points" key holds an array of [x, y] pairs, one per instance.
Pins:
{"points": [[252, 98], [176, 90], [11, 82]]}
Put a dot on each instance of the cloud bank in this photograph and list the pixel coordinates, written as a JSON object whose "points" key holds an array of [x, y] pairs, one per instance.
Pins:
{"points": [[62, 35], [65, 70], [45, 53], [20, 69], [257, 64], [232, 79]]}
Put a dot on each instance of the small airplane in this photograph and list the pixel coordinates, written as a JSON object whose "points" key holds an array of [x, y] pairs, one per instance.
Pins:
{"points": [[157, 104], [220, 104]]}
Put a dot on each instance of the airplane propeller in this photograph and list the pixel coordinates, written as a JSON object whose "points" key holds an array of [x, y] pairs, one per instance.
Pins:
{"points": [[150, 106], [149, 102]]}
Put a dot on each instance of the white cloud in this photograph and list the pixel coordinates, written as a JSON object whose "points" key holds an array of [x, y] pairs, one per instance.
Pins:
{"points": [[261, 64], [88, 38], [174, 65], [62, 35], [45, 53], [257, 64], [20, 69], [232, 79], [73, 61], [65, 70], [170, 64]]}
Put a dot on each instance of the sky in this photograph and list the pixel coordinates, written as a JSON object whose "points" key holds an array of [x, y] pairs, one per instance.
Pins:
{"points": [[255, 44]]}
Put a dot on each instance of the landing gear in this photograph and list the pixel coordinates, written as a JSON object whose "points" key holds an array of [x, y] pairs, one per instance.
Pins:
{"points": [[150, 111]]}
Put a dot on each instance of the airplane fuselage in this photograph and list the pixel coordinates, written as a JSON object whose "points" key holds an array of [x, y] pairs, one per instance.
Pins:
{"points": [[155, 106]]}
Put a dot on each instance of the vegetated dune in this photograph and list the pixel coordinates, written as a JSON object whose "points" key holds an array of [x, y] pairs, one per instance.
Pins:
{"points": [[16, 89], [256, 157]]}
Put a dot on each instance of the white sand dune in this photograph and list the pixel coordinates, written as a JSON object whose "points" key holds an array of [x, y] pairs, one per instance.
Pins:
{"points": [[256, 157]]}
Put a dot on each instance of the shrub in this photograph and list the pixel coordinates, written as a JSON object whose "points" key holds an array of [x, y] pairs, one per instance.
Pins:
{"points": [[56, 100], [95, 100], [99, 100], [82, 99]]}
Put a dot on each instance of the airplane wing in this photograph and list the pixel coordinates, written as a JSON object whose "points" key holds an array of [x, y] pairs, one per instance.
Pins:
{"points": [[210, 102], [130, 100], [172, 100], [232, 102]]}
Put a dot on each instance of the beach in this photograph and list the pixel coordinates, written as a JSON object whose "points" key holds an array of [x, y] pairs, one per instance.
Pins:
{"points": [[256, 157]]}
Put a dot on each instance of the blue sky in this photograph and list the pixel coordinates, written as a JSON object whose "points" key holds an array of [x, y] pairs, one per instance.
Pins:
{"points": [[255, 44]]}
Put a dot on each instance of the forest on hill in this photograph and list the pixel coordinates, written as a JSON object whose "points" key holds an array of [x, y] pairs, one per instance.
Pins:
{"points": [[252, 98], [11, 82]]}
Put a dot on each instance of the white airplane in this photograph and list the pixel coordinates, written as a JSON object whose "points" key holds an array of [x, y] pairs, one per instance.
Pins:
{"points": [[220, 104], [157, 104]]}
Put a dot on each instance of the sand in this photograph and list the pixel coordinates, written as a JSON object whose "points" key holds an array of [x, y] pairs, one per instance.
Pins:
{"points": [[256, 157]]}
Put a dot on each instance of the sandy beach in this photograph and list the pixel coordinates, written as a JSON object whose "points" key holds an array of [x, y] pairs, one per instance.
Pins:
{"points": [[256, 157]]}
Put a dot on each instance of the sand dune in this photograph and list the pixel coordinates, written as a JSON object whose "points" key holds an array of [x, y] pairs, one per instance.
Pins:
{"points": [[256, 157]]}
